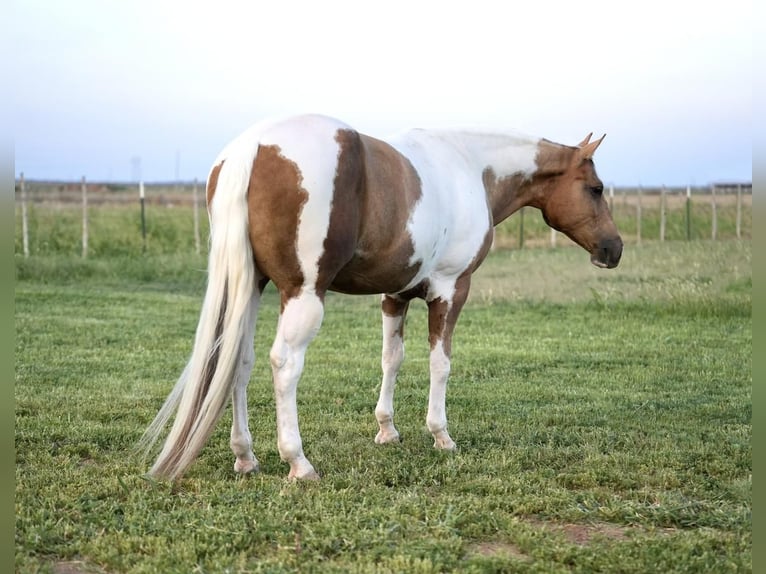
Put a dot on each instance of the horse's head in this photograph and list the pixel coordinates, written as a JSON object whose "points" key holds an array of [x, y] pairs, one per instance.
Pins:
{"points": [[574, 204]]}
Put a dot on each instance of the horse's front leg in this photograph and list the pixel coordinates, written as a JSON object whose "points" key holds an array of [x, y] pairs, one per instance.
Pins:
{"points": [[298, 325], [442, 316], [394, 311]]}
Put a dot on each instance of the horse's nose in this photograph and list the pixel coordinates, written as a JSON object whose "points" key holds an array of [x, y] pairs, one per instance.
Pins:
{"points": [[613, 251], [608, 252]]}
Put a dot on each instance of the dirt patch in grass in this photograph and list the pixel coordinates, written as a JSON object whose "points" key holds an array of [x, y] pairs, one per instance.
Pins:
{"points": [[76, 567], [498, 549], [584, 534], [573, 533]]}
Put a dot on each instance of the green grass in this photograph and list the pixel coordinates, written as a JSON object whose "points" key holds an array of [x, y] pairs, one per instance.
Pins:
{"points": [[603, 420]]}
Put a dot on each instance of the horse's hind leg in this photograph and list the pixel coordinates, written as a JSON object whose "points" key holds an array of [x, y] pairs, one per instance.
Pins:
{"points": [[241, 439], [394, 311], [299, 323]]}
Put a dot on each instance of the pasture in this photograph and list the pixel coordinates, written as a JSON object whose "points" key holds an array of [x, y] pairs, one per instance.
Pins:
{"points": [[603, 423]]}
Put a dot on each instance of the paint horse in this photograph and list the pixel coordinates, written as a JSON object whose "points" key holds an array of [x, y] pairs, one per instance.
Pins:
{"points": [[314, 206]]}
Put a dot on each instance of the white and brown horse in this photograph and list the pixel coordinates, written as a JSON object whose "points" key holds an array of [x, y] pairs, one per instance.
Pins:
{"points": [[313, 205]]}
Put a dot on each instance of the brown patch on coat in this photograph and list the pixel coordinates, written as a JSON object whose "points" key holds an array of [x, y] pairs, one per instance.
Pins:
{"points": [[212, 183], [389, 189], [486, 245], [572, 202], [343, 230], [509, 193], [275, 199], [443, 315], [395, 307], [566, 189]]}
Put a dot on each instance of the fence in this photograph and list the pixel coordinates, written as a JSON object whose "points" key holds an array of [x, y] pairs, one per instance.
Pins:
{"points": [[95, 219]]}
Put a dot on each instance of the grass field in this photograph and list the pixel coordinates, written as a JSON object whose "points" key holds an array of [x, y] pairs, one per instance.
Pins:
{"points": [[603, 420]]}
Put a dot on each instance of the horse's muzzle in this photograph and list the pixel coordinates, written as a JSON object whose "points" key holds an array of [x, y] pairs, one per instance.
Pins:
{"points": [[607, 253]]}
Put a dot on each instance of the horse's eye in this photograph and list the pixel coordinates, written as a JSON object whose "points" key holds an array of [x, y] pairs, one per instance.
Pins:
{"points": [[597, 189]]}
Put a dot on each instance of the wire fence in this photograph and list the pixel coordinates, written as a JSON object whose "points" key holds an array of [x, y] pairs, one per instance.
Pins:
{"points": [[102, 219]]}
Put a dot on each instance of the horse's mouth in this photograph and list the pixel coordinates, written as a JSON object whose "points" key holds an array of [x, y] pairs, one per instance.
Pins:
{"points": [[603, 264], [607, 253]]}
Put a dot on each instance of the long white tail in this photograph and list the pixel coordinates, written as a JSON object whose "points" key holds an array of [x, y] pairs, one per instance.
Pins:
{"points": [[204, 388]]}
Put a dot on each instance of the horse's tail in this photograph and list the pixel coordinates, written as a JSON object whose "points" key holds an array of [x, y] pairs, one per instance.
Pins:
{"points": [[205, 386]]}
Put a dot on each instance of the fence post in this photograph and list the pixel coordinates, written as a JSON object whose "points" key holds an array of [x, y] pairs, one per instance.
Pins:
{"points": [[84, 218], [662, 213], [638, 216], [688, 212], [739, 211], [521, 228], [196, 217], [553, 237], [714, 207], [611, 199], [143, 214], [24, 219]]}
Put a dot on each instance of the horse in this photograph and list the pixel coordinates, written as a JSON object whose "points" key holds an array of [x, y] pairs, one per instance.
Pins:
{"points": [[313, 205]]}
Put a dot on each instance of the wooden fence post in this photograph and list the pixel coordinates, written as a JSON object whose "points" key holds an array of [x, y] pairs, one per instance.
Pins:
{"points": [[84, 218], [638, 216], [662, 213], [24, 217], [739, 211], [611, 199], [143, 213], [196, 217], [521, 228], [553, 237], [688, 212], [714, 207]]}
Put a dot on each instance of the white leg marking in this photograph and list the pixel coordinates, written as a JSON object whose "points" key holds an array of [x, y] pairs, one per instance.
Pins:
{"points": [[437, 413], [393, 355], [298, 325], [241, 439]]}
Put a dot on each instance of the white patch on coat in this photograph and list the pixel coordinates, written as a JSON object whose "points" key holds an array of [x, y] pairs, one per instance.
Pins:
{"points": [[310, 142], [449, 223]]}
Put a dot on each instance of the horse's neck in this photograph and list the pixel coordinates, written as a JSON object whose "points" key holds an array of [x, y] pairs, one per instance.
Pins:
{"points": [[505, 153], [507, 164]]}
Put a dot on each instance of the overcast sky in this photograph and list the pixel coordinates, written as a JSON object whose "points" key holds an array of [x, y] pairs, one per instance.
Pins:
{"points": [[99, 84]]}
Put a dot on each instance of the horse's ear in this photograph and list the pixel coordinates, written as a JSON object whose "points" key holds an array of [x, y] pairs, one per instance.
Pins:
{"points": [[588, 149], [585, 141]]}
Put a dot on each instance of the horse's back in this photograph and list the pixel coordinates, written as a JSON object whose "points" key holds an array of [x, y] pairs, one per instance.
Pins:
{"points": [[331, 208]]}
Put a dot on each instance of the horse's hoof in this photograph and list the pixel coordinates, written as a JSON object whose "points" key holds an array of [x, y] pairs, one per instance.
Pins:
{"points": [[387, 437], [313, 475], [246, 466], [302, 469], [445, 444]]}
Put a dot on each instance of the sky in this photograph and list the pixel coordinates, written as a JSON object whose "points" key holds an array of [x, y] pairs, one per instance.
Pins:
{"points": [[153, 89]]}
